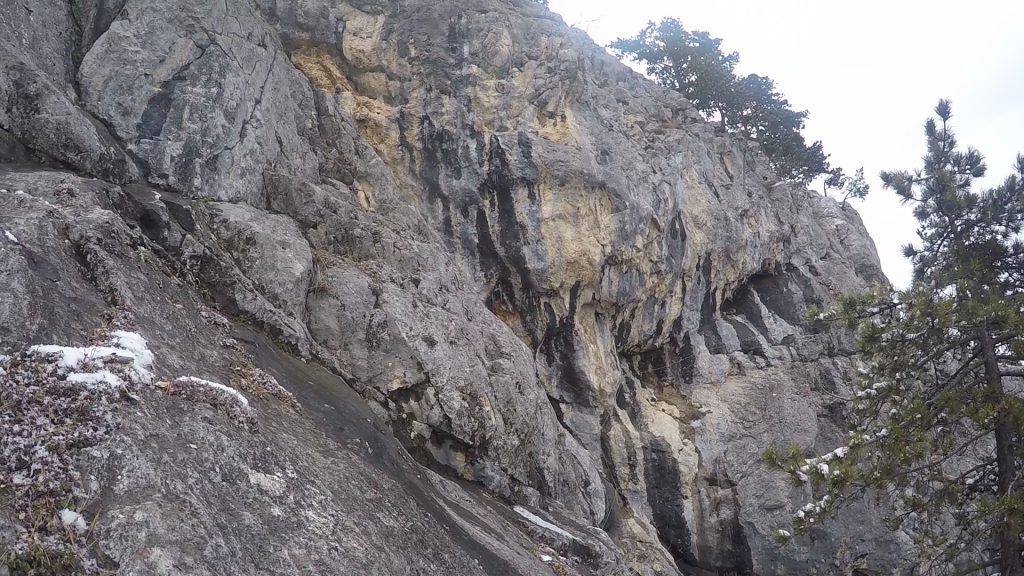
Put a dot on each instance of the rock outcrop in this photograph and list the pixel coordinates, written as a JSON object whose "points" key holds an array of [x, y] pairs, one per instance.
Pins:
{"points": [[548, 282]]}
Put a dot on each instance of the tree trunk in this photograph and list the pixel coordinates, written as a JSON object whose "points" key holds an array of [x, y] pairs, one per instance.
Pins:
{"points": [[1008, 529]]}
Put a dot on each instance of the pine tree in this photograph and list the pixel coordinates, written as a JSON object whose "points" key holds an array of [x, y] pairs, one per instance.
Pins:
{"points": [[856, 187], [694, 64], [836, 179], [763, 114], [939, 417], [691, 63]]}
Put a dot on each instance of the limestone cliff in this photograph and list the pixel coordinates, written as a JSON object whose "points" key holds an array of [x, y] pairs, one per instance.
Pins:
{"points": [[548, 282]]}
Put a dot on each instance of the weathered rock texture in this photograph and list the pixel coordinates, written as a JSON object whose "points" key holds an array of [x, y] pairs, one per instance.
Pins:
{"points": [[545, 275]]}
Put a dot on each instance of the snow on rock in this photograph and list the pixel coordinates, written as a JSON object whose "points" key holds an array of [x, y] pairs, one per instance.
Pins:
{"points": [[533, 518], [62, 401], [135, 345], [72, 357], [96, 379], [225, 398], [73, 520], [125, 348], [126, 359], [226, 390]]}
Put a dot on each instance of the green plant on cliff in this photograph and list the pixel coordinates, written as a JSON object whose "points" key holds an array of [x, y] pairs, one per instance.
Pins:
{"points": [[939, 414], [694, 64], [855, 186]]}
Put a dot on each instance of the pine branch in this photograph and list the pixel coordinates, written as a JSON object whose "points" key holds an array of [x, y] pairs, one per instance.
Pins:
{"points": [[923, 363], [978, 567], [944, 459], [1011, 371]]}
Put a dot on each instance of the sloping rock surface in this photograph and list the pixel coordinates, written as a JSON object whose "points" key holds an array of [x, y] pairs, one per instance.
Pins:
{"points": [[495, 266]]}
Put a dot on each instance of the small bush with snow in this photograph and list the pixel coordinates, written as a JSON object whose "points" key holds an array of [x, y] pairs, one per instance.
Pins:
{"points": [[56, 401], [260, 384], [226, 398]]}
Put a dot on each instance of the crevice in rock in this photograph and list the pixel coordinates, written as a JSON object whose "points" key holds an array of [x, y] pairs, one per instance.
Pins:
{"points": [[721, 548], [103, 127], [440, 150], [665, 497], [785, 292], [615, 500], [93, 25], [558, 346], [497, 190]]}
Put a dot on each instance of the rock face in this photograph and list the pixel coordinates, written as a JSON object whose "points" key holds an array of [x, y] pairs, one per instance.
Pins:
{"points": [[550, 281]]}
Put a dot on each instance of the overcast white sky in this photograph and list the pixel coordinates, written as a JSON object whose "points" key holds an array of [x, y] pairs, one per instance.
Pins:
{"points": [[869, 72]]}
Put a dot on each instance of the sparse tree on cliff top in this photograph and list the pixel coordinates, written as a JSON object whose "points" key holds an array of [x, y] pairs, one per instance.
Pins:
{"points": [[855, 186], [940, 415], [764, 115], [694, 64], [691, 63], [836, 179]]}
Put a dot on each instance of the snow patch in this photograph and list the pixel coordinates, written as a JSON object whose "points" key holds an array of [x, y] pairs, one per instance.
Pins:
{"points": [[10, 236], [216, 386], [124, 348], [541, 522], [73, 520], [73, 357], [96, 379], [135, 345]]}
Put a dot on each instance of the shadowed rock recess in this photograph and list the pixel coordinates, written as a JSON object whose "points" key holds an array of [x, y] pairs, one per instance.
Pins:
{"points": [[538, 316]]}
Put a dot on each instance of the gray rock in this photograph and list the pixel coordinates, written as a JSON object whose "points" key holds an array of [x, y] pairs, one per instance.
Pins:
{"points": [[545, 275], [38, 92], [270, 250], [180, 486], [202, 94]]}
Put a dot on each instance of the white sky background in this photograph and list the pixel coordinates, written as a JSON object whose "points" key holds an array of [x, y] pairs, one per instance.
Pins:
{"points": [[870, 73]]}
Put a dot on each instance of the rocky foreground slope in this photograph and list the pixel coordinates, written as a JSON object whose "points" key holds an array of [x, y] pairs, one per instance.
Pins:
{"points": [[538, 317]]}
